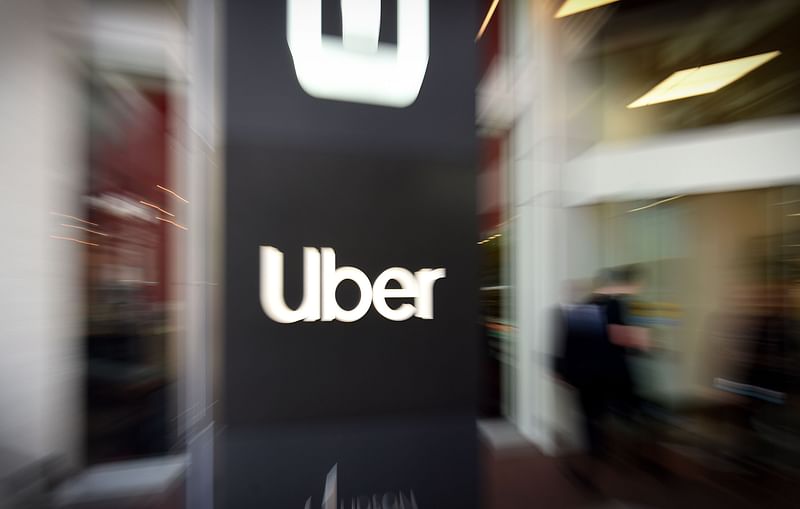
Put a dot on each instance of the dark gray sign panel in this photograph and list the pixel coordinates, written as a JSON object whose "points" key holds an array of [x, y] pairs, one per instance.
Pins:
{"points": [[349, 358]]}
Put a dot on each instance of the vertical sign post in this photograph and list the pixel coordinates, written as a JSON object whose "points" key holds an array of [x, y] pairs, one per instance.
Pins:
{"points": [[348, 363]]}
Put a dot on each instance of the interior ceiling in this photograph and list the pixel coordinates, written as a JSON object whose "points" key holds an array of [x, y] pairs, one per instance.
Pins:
{"points": [[641, 42]]}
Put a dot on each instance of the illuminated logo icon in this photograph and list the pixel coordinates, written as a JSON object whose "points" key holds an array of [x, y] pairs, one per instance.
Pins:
{"points": [[321, 278], [357, 67]]}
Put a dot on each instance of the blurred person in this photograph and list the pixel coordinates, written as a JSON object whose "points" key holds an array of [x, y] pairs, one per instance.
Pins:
{"points": [[596, 337], [621, 336]]}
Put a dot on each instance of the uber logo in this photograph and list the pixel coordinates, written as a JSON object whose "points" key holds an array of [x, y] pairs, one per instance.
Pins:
{"points": [[321, 278], [357, 67]]}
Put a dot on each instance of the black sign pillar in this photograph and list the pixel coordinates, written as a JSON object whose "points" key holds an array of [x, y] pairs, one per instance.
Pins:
{"points": [[349, 357]]}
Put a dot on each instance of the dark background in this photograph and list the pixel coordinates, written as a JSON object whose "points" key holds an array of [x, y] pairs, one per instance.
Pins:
{"points": [[392, 403]]}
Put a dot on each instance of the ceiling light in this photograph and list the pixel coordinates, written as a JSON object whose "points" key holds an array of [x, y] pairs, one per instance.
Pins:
{"points": [[656, 203], [172, 223], [173, 193], [702, 80], [75, 218], [157, 208], [59, 237], [84, 229], [571, 7], [487, 19]]}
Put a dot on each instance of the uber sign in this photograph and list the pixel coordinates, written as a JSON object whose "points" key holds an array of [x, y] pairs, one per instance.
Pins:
{"points": [[418, 286], [350, 276], [357, 67]]}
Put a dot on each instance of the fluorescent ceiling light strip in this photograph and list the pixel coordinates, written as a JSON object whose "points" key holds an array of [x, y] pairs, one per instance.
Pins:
{"points": [[173, 193], [74, 218], [705, 79], [170, 214], [59, 237], [84, 229], [657, 203], [487, 19], [571, 7], [172, 223]]}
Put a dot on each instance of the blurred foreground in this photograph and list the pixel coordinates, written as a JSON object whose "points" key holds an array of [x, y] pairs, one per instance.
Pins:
{"points": [[640, 250]]}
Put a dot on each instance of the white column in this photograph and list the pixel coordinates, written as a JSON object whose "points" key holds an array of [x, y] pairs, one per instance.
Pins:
{"points": [[537, 159], [42, 170], [203, 249]]}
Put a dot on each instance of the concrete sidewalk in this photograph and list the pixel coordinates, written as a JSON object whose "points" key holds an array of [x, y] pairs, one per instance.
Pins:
{"points": [[516, 475]]}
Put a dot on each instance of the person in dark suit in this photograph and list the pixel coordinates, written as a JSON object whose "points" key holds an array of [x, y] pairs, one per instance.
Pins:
{"points": [[596, 338]]}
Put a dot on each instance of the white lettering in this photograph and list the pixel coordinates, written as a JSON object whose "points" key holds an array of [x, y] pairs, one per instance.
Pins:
{"points": [[272, 286], [331, 277], [321, 278], [426, 279], [409, 288]]}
